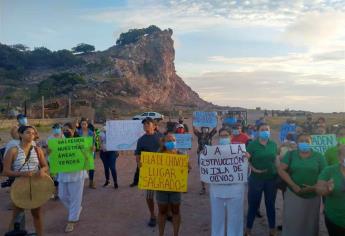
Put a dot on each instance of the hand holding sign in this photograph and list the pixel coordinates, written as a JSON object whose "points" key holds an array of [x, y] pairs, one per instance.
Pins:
{"points": [[122, 135], [224, 164], [71, 154], [320, 143], [163, 172], [205, 119]]}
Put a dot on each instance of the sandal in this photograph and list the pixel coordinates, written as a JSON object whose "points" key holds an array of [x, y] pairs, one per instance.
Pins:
{"points": [[69, 227], [202, 191]]}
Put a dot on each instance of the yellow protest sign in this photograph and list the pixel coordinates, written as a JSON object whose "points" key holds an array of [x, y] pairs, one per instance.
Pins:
{"points": [[163, 172]]}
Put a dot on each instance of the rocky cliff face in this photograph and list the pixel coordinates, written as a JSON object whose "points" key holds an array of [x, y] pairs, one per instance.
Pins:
{"points": [[147, 71]]}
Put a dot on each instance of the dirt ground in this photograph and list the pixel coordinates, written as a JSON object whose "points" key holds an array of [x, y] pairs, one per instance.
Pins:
{"points": [[108, 211]]}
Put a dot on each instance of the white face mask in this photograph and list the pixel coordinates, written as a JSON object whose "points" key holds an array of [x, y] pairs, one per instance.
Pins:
{"points": [[343, 163]]}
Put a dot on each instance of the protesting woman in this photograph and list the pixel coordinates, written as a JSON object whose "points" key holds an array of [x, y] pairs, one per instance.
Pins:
{"points": [[71, 186], [84, 131], [25, 160], [331, 184], [263, 153], [169, 200], [109, 159], [227, 199], [300, 170]]}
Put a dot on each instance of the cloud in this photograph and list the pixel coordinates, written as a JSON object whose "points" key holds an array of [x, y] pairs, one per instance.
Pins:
{"points": [[329, 63], [330, 56], [271, 90], [316, 28], [196, 15]]}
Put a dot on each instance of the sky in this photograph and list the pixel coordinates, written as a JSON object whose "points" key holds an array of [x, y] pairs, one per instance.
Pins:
{"points": [[281, 54]]}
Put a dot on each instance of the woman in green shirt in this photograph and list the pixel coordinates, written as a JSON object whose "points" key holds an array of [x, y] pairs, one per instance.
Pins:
{"points": [[300, 170], [332, 153], [331, 184], [263, 153]]}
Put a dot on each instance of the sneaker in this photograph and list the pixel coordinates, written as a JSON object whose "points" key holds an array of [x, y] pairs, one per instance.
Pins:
{"points": [[92, 184], [69, 227], [202, 191], [116, 186], [280, 227], [169, 218], [152, 222], [133, 185], [106, 183]]}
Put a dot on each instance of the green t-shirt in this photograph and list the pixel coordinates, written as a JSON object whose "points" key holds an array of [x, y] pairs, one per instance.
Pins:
{"points": [[304, 170], [332, 156], [263, 157], [335, 202]]}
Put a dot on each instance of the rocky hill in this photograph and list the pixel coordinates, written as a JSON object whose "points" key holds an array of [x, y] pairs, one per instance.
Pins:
{"points": [[135, 74]]}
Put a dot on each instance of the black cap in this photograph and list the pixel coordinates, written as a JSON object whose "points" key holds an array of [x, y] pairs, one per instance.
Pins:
{"points": [[148, 119], [21, 116]]}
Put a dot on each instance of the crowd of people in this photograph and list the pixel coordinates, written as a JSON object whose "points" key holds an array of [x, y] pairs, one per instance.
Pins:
{"points": [[306, 178]]}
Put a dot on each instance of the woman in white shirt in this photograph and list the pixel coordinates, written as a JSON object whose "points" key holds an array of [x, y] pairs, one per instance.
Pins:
{"points": [[227, 199]]}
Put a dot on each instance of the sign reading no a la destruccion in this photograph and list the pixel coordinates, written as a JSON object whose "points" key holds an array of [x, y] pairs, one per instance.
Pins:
{"points": [[224, 164]]}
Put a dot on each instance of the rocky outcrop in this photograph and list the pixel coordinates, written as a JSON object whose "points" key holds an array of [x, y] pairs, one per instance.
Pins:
{"points": [[138, 75]]}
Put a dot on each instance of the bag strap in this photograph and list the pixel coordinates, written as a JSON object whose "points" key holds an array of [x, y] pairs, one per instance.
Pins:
{"points": [[38, 156], [26, 158]]}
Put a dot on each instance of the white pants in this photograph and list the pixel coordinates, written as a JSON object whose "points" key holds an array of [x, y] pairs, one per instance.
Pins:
{"points": [[233, 207], [71, 195]]}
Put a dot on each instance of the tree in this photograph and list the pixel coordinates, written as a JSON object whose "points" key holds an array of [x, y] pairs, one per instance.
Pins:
{"points": [[133, 35], [20, 47], [58, 84], [83, 48]]}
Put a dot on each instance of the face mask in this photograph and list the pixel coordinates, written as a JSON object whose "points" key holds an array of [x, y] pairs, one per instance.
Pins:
{"points": [[57, 131], [235, 132], [224, 141], [343, 162], [170, 145], [304, 147], [23, 121], [67, 134], [265, 135], [341, 140]]}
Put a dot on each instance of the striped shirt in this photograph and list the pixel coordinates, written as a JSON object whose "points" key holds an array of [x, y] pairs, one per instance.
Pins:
{"points": [[31, 165]]}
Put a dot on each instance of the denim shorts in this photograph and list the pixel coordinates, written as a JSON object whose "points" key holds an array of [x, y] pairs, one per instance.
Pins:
{"points": [[164, 197]]}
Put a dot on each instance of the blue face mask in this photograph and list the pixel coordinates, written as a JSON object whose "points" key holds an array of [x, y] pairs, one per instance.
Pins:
{"points": [[170, 145], [235, 132], [57, 131], [304, 147], [23, 121], [224, 141], [264, 135]]}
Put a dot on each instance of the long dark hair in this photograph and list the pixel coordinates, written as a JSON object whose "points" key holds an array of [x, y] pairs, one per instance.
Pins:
{"points": [[163, 140]]}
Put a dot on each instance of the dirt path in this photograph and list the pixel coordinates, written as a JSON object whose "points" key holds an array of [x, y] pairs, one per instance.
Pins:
{"points": [[109, 212]]}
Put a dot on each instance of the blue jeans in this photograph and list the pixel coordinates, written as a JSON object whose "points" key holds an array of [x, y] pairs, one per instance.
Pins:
{"points": [[255, 189], [109, 163], [92, 172]]}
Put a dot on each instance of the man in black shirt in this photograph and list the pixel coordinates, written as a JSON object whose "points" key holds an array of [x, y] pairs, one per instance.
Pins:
{"points": [[149, 142]]}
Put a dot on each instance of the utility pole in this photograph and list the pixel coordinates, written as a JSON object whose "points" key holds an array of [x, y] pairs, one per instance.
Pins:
{"points": [[42, 107]]}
